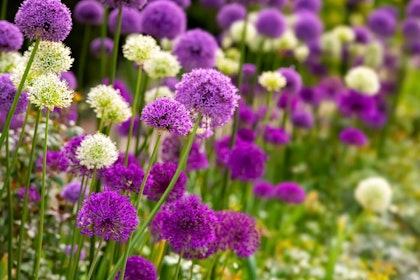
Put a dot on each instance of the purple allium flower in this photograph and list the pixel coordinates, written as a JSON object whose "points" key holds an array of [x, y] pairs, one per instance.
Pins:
{"points": [[89, 12], [213, 3], [230, 13], [162, 174], [276, 136], [170, 82], [362, 34], [70, 78], [67, 250], [246, 161], [313, 6], [411, 28], [246, 114], [270, 23], [56, 162], [263, 190], [413, 9], [222, 150], [196, 49], [71, 192], [118, 177], [302, 118], [182, 3], [352, 103], [287, 101], [310, 95], [246, 134], [135, 4], [130, 21], [107, 215], [167, 114], [17, 120], [138, 268], [238, 233], [7, 95], [293, 80], [330, 88], [382, 23], [33, 194], [209, 93], [374, 118], [96, 46], [290, 192], [308, 27], [69, 152], [11, 39], [353, 137], [163, 19], [48, 19], [187, 224]]}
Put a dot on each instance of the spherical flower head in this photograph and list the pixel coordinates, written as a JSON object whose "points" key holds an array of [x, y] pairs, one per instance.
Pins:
{"points": [[272, 80], [293, 80], [196, 49], [313, 6], [33, 194], [7, 95], [344, 33], [246, 161], [49, 20], [411, 28], [158, 92], [72, 191], [230, 13], [263, 189], [140, 48], [135, 4], [363, 79], [238, 233], [55, 160], [163, 19], [161, 65], [413, 9], [181, 3], [374, 194], [187, 224], [96, 151], [382, 23], [10, 61], [138, 268], [353, 137], [167, 114], [352, 103], [270, 23], [276, 136], [97, 44], [51, 57], [48, 91], [161, 176], [362, 34], [302, 118], [310, 95], [236, 30], [130, 21], [117, 177], [89, 12], [308, 27], [107, 215], [209, 93], [290, 192], [11, 39]]}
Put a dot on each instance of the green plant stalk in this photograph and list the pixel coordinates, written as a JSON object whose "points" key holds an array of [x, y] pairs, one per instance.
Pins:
{"points": [[116, 46], [335, 250], [104, 27], [95, 259], [155, 209], [9, 214], [83, 55], [3, 14], [26, 196], [18, 94], [251, 267], [42, 213], [178, 265], [143, 88], [227, 256]]}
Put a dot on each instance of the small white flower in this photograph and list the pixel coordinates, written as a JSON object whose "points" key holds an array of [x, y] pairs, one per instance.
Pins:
{"points": [[97, 151], [287, 40], [48, 91], [363, 79], [374, 194], [161, 65], [227, 65], [139, 48], [158, 92], [373, 55], [301, 53], [50, 57], [272, 80], [344, 33], [9, 61], [331, 45], [236, 30]]}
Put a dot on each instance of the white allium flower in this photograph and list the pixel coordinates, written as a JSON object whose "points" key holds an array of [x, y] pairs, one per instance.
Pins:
{"points": [[166, 44], [228, 63], [287, 40], [301, 53], [272, 80], [373, 55], [108, 104], [363, 79], [331, 45], [158, 92], [161, 65], [9, 61], [50, 57], [344, 33], [97, 151], [237, 28], [48, 91], [374, 194], [139, 48]]}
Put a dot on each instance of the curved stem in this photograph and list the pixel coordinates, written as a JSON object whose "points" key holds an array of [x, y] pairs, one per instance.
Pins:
{"points": [[116, 46], [83, 54], [95, 259], [103, 36], [3, 12], [178, 265], [9, 214]]}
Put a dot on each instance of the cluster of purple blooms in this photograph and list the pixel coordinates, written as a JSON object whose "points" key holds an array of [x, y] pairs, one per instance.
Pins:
{"points": [[287, 192]]}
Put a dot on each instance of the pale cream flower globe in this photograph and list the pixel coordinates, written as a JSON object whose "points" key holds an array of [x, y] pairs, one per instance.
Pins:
{"points": [[374, 194]]}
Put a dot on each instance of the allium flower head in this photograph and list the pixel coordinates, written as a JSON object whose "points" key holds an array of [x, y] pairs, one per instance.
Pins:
{"points": [[308, 27], [136, 4], [353, 103], [167, 114], [302, 118], [374, 194], [89, 12], [363, 79], [272, 80], [276, 136], [56, 162], [236, 30], [411, 28], [161, 65], [70, 79], [210, 93], [230, 13], [10, 61], [48, 91], [96, 46], [130, 21], [307, 5], [293, 80], [11, 39], [353, 137], [382, 23], [271, 23], [72, 191], [290, 192], [140, 48], [117, 177], [263, 190], [7, 95], [33, 194], [413, 9], [96, 151], [107, 215], [138, 268], [48, 19]]}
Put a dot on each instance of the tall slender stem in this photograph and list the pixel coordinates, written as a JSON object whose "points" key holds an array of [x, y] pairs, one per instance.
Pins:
{"points": [[42, 212], [3, 10], [178, 265], [103, 37], [95, 259], [9, 214], [116, 46], [83, 55]]}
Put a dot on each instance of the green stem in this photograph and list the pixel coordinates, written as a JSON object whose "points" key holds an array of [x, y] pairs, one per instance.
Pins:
{"points": [[18, 93], [83, 55], [335, 250], [103, 36], [178, 265], [225, 264], [10, 215], [3, 14], [95, 259], [42, 212], [116, 46], [26, 196]]}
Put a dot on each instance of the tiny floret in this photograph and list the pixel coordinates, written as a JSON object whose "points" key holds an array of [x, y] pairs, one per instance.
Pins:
{"points": [[363, 79], [272, 80], [96, 151], [161, 65], [139, 48], [374, 194]]}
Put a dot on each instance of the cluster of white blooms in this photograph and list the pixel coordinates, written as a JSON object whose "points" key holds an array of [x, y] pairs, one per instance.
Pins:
{"points": [[331, 45], [139, 48], [288, 40], [301, 53], [108, 104], [272, 80], [237, 28], [10, 61], [373, 55], [161, 65], [344, 33], [374, 194], [97, 151], [158, 92], [363, 79], [228, 63]]}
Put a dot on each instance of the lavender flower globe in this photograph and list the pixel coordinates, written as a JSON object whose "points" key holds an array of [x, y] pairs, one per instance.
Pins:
{"points": [[135, 4], [11, 39], [161, 176], [352, 103], [270, 23], [310, 95], [48, 19], [411, 28], [163, 19], [263, 190], [246, 134], [7, 95], [107, 215], [353, 137], [308, 27], [313, 6], [209, 93], [302, 118], [181, 3], [138, 268], [89, 12], [290, 192], [56, 162], [230, 13], [275, 136], [69, 153], [413, 9], [374, 118], [71, 192], [382, 23], [33, 194], [362, 34], [117, 177], [130, 21], [196, 49], [293, 80], [97, 44]]}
